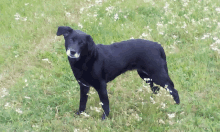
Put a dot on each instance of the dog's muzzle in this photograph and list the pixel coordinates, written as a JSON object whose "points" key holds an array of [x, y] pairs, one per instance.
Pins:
{"points": [[72, 53]]}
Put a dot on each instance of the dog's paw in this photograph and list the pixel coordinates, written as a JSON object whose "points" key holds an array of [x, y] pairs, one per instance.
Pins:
{"points": [[104, 116], [78, 113]]}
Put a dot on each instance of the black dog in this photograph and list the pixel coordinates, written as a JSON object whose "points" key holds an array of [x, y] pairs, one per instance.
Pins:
{"points": [[96, 65]]}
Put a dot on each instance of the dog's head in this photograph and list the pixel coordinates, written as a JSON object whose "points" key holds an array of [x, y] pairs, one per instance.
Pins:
{"points": [[77, 43]]}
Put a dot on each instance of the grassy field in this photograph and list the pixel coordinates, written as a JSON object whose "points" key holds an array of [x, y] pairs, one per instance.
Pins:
{"points": [[38, 91]]}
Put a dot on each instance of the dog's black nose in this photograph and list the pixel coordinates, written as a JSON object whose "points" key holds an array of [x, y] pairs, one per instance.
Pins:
{"points": [[72, 52]]}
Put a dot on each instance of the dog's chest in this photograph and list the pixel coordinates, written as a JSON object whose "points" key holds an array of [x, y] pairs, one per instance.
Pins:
{"points": [[84, 77]]}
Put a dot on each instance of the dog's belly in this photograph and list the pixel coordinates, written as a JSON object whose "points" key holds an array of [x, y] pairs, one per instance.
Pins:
{"points": [[117, 70]]}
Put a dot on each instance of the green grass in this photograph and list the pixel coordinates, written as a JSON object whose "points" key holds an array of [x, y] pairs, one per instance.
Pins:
{"points": [[41, 95]]}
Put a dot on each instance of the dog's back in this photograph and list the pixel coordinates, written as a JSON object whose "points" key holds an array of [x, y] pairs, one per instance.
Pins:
{"points": [[130, 50]]}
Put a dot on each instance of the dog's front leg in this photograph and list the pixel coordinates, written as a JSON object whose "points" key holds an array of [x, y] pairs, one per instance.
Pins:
{"points": [[103, 95], [83, 98]]}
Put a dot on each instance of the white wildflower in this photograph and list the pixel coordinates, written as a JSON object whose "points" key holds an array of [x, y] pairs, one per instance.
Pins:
{"points": [[76, 130], [3, 92], [86, 115], [132, 38], [144, 35], [26, 4], [185, 4], [24, 19], [46, 60], [125, 16], [186, 16], [179, 121], [218, 9], [206, 19], [109, 9], [161, 33], [152, 100], [174, 36], [36, 126], [25, 80], [149, 29], [101, 103], [166, 6], [170, 116], [205, 36], [7, 105], [171, 123], [161, 121], [18, 110], [182, 113], [140, 90], [116, 17], [80, 25], [67, 14], [163, 105], [26, 97], [215, 38], [92, 92], [159, 24], [215, 46], [168, 90], [81, 10], [184, 25], [98, 1], [91, 6], [137, 117], [206, 8], [96, 109], [95, 14], [171, 22], [17, 16]]}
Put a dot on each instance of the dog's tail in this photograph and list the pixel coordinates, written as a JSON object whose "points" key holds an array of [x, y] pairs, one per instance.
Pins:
{"points": [[163, 56], [162, 52]]}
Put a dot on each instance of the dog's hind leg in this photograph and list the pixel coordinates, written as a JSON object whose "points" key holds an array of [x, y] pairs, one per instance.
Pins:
{"points": [[162, 78], [148, 80], [83, 98]]}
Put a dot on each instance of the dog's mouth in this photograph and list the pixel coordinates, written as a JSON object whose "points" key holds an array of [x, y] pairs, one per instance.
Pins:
{"points": [[72, 54]]}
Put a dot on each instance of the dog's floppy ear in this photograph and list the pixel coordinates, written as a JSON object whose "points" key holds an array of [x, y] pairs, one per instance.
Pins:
{"points": [[65, 31], [91, 44], [89, 40]]}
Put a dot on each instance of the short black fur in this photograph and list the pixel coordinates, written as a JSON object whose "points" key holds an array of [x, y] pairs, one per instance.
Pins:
{"points": [[99, 64]]}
